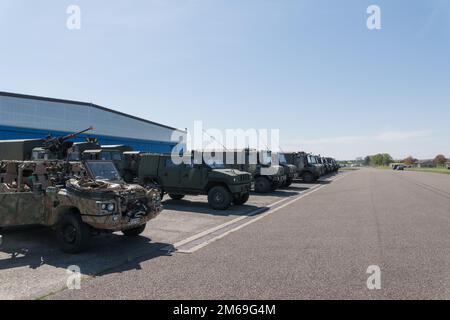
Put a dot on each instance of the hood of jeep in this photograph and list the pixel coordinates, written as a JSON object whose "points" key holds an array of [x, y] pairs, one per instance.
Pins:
{"points": [[229, 173]]}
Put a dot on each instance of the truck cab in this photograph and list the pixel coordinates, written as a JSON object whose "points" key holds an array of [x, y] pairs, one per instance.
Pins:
{"points": [[266, 176], [305, 164], [290, 169]]}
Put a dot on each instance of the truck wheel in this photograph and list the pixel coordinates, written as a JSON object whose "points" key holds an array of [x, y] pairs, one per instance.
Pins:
{"points": [[239, 201], [176, 196], [262, 185], [308, 177], [73, 234], [219, 198], [134, 232]]}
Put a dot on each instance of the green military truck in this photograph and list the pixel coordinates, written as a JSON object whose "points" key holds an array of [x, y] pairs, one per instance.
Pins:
{"points": [[49, 148], [112, 153], [76, 199], [290, 169], [333, 164], [223, 187], [266, 176], [306, 164]]}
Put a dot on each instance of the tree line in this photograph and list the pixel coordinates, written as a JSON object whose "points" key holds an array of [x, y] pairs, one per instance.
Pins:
{"points": [[385, 159]]}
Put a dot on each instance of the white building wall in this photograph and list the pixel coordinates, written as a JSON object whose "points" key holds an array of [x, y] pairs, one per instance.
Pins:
{"points": [[58, 116]]}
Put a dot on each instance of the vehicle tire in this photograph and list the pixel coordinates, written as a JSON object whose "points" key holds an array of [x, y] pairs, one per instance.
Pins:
{"points": [[308, 177], [242, 199], [134, 232], [288, 183], [262, 185], [219, 198], [176, 196], [73, 234]]}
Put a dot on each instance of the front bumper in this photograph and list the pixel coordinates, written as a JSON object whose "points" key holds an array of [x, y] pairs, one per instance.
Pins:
{"points": [[240, 188], [117, 222], [133, 216], [293, 175]]}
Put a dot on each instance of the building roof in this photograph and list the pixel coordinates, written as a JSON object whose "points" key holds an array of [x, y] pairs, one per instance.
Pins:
{"points": [[86, 104]]}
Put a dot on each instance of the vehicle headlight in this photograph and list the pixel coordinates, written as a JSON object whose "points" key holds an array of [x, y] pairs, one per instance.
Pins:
{"points": [[109, 207], [235, 180]]}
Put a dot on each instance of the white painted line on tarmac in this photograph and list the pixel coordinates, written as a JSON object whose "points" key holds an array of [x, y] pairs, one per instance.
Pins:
{"points": [[221, 226], [271, 210]]}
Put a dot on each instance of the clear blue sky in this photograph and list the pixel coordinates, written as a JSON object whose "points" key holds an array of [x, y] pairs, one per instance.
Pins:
{"points": [[310, 68]]}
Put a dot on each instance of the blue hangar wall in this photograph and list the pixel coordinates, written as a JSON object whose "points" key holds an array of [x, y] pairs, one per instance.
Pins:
{"points": [[31, 117]]}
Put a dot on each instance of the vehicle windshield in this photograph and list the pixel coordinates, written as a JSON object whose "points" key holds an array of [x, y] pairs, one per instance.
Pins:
{"points": [[312, 160], [103, 170], [215, 165], [282, 158], [74, 156]]}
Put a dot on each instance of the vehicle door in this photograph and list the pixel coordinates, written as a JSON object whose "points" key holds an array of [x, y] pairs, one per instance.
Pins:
{"points": [[23, 208], [194, 176], [170, 173]]}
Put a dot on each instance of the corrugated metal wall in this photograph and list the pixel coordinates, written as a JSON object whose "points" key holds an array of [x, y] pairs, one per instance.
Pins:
{"points": [[22, 118]]}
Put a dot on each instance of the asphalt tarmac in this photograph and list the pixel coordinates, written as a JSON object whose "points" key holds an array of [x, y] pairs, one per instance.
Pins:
{"points": [[308, 242]]}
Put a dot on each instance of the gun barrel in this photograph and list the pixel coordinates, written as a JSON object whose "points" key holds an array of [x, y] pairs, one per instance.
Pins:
{"points": [[73, 135]]}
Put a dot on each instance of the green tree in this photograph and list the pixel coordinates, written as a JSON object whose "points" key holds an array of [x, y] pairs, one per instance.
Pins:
{"points": [[440, 160], [381, 159], [387, 159], [409, 161]]}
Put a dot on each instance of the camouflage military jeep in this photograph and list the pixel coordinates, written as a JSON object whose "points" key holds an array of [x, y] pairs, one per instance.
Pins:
{"points": [[76, 199]]}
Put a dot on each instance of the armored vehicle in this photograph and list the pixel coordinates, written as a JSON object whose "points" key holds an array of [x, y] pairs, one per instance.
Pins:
{"points": [[334, 164], [223, 186], [76, 199], [20, 150], [290, 170], [306, 165], [320, 165], [113, 153], [327, 165], [266, 176], [49, 148]]}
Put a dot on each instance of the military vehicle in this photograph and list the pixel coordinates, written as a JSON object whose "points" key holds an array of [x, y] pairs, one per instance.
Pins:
{"points": [[290, 170], [49, 148], [334, 164], [307, 167], [107, 152], [266, 176], [222, 186], [320, 165], [327, 165], [76, 199]]}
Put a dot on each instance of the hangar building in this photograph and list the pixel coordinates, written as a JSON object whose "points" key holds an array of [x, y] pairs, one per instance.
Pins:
{"points": [[31, 117]]}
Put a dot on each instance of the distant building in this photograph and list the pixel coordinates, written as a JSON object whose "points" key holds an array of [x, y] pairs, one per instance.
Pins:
{"points": [[425, 164], [31, 117]]}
